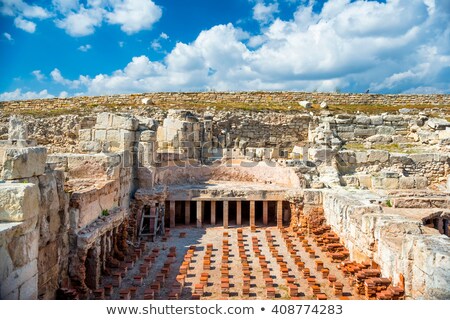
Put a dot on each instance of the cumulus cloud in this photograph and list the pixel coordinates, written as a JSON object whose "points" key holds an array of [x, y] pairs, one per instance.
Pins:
{"points": [[38, 75], [73, 84], [19, 7], [350, 46], [25, 25], [134, 15], [82, 22], [65, 6], [85, 48], [19, 95], [81, 19], [23, 12], [265, 13]]}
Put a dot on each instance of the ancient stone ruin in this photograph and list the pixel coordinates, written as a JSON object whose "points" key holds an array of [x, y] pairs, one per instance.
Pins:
{"points": [[147, 202]]}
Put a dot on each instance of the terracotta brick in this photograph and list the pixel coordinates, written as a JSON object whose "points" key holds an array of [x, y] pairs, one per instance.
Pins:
{"points": [[149, 294], [133, 291], [125, 294], [293, 290], [195, 296], [137, 281]]}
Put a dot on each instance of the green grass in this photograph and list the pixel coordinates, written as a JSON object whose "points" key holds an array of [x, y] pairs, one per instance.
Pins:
{"points": [[391, 147], [377, 109], [92, 109]]}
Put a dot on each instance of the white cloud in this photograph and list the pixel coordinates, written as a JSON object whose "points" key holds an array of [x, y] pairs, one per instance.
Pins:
{"points": [[20, 8], [82, 22], [25, 25], [38, 74], [19, 95], [134, 15], [265, 13], [85, 48], [80, 19], [8, 36], [73, 84], [352, 46], [63, 94], [155, 45], [65, 6], [121, 44]]}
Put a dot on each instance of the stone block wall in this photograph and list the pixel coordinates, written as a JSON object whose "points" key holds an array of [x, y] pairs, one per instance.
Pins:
{"points": [[400, 246], [394, 170], [357, 128], [255, 129], [38, 241], [19, 240]]}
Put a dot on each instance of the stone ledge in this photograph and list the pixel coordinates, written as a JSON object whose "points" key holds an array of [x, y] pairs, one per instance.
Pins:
{"points": [[18, 201], [20, 163]]}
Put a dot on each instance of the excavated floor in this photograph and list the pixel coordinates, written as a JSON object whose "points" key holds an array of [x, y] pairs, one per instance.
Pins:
{"points": [[200, 238]]}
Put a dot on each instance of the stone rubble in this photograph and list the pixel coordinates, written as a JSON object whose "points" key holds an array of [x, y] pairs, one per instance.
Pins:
{"points": [[367, 193]]}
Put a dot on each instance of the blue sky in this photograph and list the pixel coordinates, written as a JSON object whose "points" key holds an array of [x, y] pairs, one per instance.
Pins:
{"points": [[51, 48]]}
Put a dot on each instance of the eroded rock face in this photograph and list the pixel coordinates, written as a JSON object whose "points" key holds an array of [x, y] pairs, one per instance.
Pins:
{"points": [[23, 162], [399, 244], [18, 201], [18, 129]]}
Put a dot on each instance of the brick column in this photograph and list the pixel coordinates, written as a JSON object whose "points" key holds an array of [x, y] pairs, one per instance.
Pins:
{"points": [[239, 212], [279, 214], [213, 212], [252, 213], [265, 213], [225, 214], [187, 212], [172, 214], [199, 214]]}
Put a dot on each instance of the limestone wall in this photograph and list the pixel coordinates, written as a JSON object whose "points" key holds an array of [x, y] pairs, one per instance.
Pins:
{"points": [[398, 244], [401, 171], [351, 128], [247, 171], [261, 98], [19, 240]]}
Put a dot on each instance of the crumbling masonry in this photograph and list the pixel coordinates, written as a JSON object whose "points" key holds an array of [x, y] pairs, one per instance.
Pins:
{"points": [[340, 205]]}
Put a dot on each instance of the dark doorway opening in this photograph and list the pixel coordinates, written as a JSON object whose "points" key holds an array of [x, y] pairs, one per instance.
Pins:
{"points": [[232, 215], [259, 213], [207, 212]]}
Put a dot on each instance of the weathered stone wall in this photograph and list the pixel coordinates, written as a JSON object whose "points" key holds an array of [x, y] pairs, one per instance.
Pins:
{"points": [[261, 98], [426, 168], [401, 246], [351, 128], [19, 240], [33, 230], [268, 129]]}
